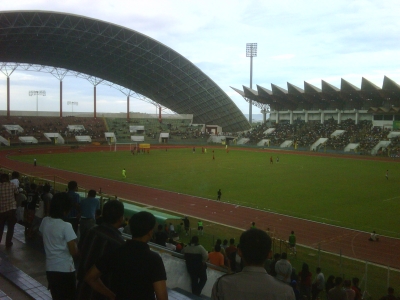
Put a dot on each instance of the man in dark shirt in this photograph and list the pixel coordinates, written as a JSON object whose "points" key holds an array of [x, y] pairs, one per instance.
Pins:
{"points": [[133, 269], [186, 223], [100, 240], [160, 237], [73, 216]]}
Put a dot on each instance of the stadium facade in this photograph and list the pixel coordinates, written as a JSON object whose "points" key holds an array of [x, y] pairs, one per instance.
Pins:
{"points": [[370, 102]]}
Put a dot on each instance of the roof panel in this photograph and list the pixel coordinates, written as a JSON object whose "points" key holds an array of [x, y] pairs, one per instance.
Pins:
{"points": [[292, 89], [276, 90], [389, 84], [309, 88], [346, 86], [367, 85], [328, 88]]}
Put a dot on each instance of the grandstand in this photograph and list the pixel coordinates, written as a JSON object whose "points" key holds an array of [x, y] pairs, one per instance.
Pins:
{"points": [[361, 119]]}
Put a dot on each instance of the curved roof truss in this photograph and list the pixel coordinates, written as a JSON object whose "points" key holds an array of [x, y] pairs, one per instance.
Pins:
{"points": [[119, 55], [60, 73]]}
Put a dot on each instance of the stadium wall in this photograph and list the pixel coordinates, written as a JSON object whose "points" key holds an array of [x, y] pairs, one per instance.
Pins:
{"points": [[133, 115], [318, 115]]}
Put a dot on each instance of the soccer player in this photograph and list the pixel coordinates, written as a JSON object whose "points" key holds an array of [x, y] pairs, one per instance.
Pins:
{"points": [[387, 175], [124, 173]]}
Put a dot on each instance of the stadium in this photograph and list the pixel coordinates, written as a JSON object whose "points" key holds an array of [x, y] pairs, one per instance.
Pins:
{"points": [[177, 162]]}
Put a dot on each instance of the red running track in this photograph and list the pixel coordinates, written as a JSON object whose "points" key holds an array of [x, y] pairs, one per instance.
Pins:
{"points": [[334, 239]]}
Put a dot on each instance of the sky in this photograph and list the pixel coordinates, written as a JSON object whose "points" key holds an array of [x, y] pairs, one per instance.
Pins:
{"points": [[297, 41]]}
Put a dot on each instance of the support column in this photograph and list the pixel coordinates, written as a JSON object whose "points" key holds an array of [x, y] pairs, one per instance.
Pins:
{"points": [[339, 117], [277, 116], [251, 87], [159, 114], [127, 108], [8, 97], [264, 113], [94, 100], [291, 117], [8, 69], [61, 93], [306, 116], [322, 117], [357, 116]]}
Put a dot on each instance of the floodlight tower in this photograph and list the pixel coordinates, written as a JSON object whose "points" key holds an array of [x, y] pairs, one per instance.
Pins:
{"points": [[37, 94], [251, 51], [72, 105]]}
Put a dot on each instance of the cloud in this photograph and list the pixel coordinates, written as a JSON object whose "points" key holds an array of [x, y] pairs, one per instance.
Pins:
{"points": [[283, 56], [297, 41]]}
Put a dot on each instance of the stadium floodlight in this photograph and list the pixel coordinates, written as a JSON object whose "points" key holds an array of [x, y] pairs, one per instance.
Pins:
{"points": [[251, 51], [37, 94], [72, 103]]}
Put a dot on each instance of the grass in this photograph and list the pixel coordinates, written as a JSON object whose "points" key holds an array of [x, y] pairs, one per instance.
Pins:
{"points": [[346, 192]]}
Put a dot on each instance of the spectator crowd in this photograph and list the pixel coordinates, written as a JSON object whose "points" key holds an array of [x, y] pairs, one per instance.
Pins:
{"points": [[101, 262]]}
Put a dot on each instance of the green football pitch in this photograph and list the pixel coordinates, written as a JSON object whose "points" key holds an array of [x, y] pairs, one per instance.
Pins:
{"points": [[340, 191]]}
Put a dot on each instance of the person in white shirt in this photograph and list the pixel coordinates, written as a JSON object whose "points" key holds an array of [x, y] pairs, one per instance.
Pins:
{"points": [[15, 178], [59, 241], [318, 284]]}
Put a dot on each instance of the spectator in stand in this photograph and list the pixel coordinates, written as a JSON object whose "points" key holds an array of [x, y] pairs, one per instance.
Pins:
{"points": [[318, 284], [196, 257], [88, 206], [171, 230], [296, 290], [8, 208], [349, 291], [15, 178], [253, 282], [337, 293], [224, 244], [20, 198], [390, 295], [59, 241], [32, 198], [134, 270], [222, 250], [46, 196], [272, 270], [283, 269], [99, 241], [231, 254], [356, 289], [329, 284], [216, 257], [305, 281], [186, 223], [292, 242], [73, 216], [170, 244], [160, 237]]}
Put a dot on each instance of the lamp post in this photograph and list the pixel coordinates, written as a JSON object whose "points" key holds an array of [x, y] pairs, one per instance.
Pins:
{"points": [[251, 51], [72, 103], [37, 94]]}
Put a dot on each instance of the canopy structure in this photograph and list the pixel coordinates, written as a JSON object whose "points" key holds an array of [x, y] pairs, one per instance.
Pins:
{"points": [[119, 55], [369, 97], [161, 217]]}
